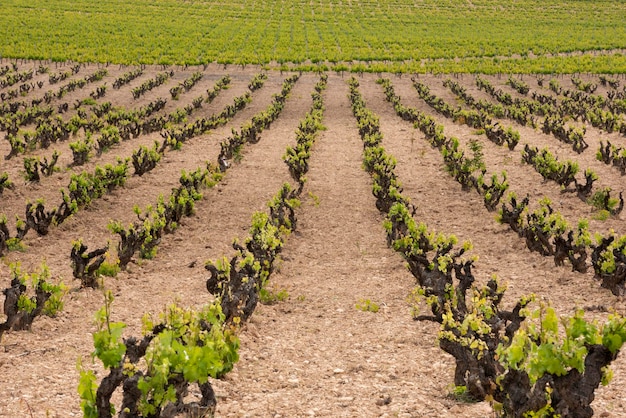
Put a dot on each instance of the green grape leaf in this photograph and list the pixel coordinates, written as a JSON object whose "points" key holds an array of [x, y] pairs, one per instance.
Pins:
{"points": [[613, 342]]}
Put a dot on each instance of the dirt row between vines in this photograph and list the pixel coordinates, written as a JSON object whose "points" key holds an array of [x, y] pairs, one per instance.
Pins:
{"points": [[314, 354]]}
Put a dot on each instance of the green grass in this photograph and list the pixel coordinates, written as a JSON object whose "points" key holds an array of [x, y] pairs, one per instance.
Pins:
{"points": [[397, 34]]}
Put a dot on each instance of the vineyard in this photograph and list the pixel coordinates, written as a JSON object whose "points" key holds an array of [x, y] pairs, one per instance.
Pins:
{"points": [[309, 206], [392, 35]]}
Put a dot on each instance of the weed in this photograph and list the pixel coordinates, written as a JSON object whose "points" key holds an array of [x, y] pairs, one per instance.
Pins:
{"points": [[270, 296], [315, 198], [366, 305], [601, 215], [460, 393]]}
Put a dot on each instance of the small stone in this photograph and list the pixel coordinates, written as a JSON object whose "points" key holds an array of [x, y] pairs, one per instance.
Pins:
{"points": [[338, 371]]}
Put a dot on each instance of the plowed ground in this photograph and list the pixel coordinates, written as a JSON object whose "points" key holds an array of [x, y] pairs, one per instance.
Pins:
{"points": [[314, 354]]}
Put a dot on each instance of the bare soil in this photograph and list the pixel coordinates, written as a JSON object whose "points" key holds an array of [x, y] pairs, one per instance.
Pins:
{"points": [[316, 353]]}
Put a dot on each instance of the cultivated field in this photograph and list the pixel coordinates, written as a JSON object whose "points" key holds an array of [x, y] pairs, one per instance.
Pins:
{"points": [[314, 353], [312, 208], [391, 35]]}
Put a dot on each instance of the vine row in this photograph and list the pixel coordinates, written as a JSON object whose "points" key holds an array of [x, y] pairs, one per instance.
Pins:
{"points": [[236, 285], [540, 229], [495, 350]]}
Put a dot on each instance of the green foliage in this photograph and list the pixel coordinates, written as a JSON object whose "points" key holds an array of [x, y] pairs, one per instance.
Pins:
{"points": [[601, 215], [107, 340], [518, 85], [460, 394], [89, 101], [81, 150], [550, 167], [150, 84], [18, 145], [145, 159], [538, 348], [297, 157], [186, 85], [459, 166], [472, 322], [15, 244], [268, 296], [55, 302], [187, 348], [154, 223], [610, 255], [492, 192], [85, 187], [31, 169], [257, 82], [184, 346], [316, 199], [41, 284], [555, 86], [602, 201], [109, 136], [546, 220], [26, 304], [109, 269], [366, 305], [87, 388], [5, 183], [282, 35]]}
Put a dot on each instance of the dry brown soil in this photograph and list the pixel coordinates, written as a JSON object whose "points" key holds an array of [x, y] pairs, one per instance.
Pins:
{"points": [[314, 354]]}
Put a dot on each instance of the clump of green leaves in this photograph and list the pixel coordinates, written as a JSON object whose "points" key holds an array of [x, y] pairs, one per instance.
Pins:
{"points": [[609, 262], [459, 166], [30, 295], [566, 367], [367, 305], [315, 198], [601, 215], [603, 201], [34, 167], [269, 296], [15, 244], [5, 183], [109, 269], [81, 150], [460, 393], [178, 348]]}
